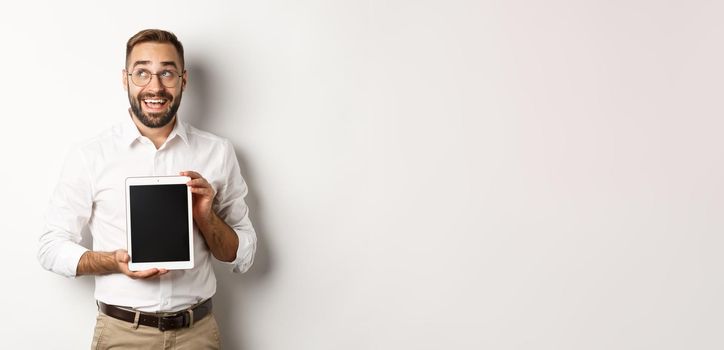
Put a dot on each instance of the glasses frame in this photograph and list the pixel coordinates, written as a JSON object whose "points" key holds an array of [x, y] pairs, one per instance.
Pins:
{"points": [[157, 77]]}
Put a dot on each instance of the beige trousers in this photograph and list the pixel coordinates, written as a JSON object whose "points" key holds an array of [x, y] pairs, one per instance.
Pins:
{"points": [[111, 333]]}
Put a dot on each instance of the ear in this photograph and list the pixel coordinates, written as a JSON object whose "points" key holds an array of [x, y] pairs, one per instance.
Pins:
{"points": [[184, 78], [124, 79]]}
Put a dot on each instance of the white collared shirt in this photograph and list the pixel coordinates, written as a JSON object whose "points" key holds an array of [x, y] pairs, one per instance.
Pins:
{"points": [[91, 193]]}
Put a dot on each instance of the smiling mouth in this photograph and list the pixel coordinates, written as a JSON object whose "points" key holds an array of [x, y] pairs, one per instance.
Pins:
{"points": [[155, 103]]}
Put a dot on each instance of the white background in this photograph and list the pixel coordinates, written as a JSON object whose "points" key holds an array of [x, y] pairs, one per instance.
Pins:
{"points": [[423, 175]]}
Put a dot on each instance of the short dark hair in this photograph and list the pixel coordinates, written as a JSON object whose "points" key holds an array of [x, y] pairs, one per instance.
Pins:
{"points": [[155, 35]]}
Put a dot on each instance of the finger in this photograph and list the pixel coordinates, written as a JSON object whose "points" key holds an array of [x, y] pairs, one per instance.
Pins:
{"points": [[191, 174], [145, 273], [159, 272], [204, 191], [199, 182], [122, 256]]}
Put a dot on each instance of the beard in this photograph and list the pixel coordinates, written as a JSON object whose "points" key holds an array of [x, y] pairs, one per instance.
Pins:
{"points": [[155, 120]]}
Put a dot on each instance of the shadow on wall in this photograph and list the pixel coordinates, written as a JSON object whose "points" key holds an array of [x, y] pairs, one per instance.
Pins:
{"points": [[196, 105], [230, 300]]}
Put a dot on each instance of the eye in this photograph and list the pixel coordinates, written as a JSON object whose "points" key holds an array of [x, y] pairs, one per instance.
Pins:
{"points": [[166, 74], [141, 73]]}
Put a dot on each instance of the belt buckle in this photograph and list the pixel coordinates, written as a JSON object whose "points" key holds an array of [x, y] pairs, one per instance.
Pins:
{"points": [[169, 322], [162, 323]]}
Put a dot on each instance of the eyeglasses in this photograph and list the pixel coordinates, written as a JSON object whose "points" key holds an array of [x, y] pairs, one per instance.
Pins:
{"points": [[141, 77]]}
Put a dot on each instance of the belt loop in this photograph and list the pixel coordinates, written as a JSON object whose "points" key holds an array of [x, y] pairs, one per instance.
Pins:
{"points": [[136, 319], [191, 317]]}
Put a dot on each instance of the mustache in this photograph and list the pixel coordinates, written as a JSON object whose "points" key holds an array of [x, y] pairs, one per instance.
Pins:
{"points": [[160, 94]]}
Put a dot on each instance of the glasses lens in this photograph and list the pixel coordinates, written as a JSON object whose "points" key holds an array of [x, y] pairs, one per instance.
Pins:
{"points": [[141, 77], [168, 78]]}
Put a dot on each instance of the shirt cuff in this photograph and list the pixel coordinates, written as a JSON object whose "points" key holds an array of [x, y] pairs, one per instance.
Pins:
{"points": [[244, 254], [68, 263]]}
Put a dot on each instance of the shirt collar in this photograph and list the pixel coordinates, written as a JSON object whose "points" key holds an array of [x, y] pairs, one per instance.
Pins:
{"points": [[130, 131], [179, 129]]}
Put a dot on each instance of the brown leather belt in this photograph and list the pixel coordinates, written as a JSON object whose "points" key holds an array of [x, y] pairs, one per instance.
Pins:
{"points": [[162, 321]]}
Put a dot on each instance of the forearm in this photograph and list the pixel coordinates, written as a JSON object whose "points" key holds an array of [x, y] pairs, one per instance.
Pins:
{"points": [[97, 263], [220, 237]]}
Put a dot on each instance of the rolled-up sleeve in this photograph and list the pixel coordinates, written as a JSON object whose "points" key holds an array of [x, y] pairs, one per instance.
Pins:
{"points": [[232, 208], [67, 214]]}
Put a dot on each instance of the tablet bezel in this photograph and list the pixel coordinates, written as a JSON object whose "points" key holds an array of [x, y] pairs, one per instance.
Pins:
{"points": [[151, 181]]}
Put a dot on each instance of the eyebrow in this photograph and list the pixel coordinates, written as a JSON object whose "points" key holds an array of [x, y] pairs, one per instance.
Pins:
{"points": [[164, 63]]}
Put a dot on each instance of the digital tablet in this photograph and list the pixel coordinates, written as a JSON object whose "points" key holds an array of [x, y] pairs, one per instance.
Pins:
{"points": [[159, 223]]}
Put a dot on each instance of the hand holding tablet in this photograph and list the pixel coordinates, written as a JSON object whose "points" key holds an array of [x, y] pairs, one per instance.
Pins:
{"points": [[159, 223], [122, 259]]}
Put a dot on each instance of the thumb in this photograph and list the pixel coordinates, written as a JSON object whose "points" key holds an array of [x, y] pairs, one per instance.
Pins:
{"points": [[122, 256]]}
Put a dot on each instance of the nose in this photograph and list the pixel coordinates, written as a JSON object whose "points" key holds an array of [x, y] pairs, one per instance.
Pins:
{"points": [[155, 83]]}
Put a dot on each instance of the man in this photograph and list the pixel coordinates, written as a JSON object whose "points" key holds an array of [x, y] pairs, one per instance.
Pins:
{"points": [[155, 308]]}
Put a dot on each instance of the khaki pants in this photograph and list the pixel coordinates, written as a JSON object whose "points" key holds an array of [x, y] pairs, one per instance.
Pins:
{"points": [[111, 333]]}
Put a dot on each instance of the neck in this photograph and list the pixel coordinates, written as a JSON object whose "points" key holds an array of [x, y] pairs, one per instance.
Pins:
{"points": [[157, 135]]}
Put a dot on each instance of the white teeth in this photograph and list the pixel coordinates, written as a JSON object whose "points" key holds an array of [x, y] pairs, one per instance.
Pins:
{"points": [[154, 101]]}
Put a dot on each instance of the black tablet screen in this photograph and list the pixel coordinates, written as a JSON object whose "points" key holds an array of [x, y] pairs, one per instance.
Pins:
{"points": [[159, 223]]}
